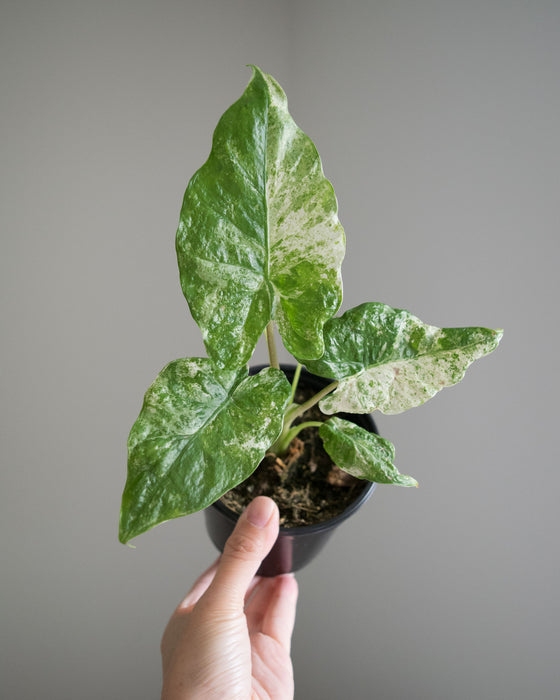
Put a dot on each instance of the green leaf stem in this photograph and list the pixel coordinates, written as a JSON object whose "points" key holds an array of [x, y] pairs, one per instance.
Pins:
{"points": [[259, 237], [386, 359], [361, 453], [196, 437]]}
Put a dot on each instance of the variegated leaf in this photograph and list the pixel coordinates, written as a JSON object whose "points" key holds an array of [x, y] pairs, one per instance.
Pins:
{"points": [[386, 359], [361, 453], [258, 236], [201, 432]]}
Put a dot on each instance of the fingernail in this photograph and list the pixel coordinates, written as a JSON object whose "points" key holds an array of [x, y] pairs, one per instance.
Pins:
{"points": [[260, 511]]}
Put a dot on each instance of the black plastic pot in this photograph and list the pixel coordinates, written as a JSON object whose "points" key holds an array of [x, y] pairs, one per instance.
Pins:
{"points": [[295, 546]]}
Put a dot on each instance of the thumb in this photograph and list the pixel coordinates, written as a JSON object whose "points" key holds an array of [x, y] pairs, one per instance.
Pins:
{"points": [[249, 543]]}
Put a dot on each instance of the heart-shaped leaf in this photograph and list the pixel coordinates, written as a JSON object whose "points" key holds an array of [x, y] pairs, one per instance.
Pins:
{"points": [[387, 359], [201, 431], [361, 453], [258, 236]]}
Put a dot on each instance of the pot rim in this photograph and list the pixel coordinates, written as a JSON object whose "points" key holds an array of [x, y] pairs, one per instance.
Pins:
{"points": [[365, 495]]}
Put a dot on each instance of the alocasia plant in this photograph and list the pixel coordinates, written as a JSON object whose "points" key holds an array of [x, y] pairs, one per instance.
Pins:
{"points": [[259, 246]]}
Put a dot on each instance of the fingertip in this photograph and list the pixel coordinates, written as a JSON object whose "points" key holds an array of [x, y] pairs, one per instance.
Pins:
{"points": [[287, 584], [251, 540], [261, 511]]}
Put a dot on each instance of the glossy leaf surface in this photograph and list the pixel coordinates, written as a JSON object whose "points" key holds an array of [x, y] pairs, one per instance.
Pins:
{"points": [[259, 237], [201, 431], [387, 359], [361, 453]]}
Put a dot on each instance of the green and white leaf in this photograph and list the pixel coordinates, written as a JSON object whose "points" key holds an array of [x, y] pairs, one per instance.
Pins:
{"points": [[259, 237], [388, 360], [361, 453], [201, 431]]}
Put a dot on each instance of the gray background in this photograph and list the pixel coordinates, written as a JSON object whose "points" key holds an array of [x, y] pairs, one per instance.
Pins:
{"points": [[437, 122]]}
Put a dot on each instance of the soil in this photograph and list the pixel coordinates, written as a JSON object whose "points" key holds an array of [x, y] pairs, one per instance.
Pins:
{"points": [[305, 483]]}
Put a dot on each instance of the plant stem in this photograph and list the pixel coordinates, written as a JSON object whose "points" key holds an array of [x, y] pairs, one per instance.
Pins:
{"points": [[302, 408], [283, 442], [296, 410], [295, 382], [272, 354]]}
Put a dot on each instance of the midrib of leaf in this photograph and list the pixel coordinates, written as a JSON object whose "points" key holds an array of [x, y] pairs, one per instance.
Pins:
{"points": [[415, 358], [206, 423], [167, 475], [459, 359], [266, 206]]}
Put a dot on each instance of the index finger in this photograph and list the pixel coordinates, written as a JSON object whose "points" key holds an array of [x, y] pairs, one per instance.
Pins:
{"points": [[280, 613]]}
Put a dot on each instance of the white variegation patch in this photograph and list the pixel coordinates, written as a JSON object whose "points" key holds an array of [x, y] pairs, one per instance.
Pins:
{"points": [[201, 431], [259, 237], [396, 386], [304, 232]]}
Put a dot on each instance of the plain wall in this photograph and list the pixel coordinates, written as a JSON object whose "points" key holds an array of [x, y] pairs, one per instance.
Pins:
{"points": [[437, 122]]}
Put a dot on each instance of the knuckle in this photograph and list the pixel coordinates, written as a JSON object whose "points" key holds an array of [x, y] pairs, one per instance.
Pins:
{"points": [[241, 546]]}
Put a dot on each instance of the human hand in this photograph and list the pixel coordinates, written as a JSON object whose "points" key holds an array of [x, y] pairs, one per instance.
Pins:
{"points": [[230, 637]]}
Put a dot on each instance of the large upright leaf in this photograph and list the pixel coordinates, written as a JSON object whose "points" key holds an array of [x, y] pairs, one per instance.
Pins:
{"points": [[258, 236], [361, 453], [387, 359], [201, 432]]}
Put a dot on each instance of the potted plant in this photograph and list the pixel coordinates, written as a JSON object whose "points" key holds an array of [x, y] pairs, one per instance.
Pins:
{"points": [[260, 248]]}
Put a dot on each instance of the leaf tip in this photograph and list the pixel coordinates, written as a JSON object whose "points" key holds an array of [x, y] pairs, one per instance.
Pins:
{"points": [[125, 533], [403, 480], [256, 70], [125, 539]]}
